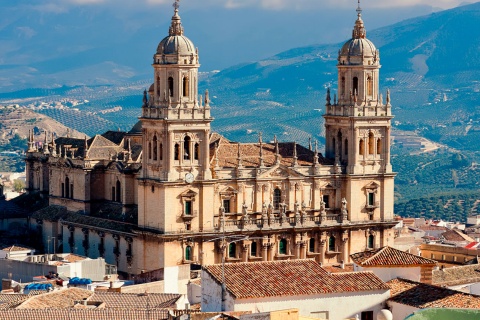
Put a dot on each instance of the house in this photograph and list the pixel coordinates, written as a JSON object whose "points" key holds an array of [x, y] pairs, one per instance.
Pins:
{"points": [[303, 284], [409, 296], [389, 263], [460, 278]]}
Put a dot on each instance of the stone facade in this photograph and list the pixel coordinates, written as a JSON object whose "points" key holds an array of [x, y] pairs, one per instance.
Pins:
{"points": [[171, 192]]}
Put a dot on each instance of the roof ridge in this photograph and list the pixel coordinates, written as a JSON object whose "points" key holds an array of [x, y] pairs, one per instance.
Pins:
{"points": [[375, 255]]}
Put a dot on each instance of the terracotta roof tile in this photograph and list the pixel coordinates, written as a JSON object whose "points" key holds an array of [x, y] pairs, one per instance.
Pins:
{"points": [[56, 299], [82, 314], [250, 154], [421, 295], [388, 256], [455, 235], [133, 300], [290, 278], [457, 275]]}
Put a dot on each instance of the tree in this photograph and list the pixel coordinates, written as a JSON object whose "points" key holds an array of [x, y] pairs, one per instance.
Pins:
{"points": [[18, 185]]}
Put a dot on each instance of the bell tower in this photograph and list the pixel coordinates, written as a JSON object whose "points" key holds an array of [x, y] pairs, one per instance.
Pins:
{"points": [[175, 119], [358, 123]]}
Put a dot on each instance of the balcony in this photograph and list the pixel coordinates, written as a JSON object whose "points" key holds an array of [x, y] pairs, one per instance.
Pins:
{"points": [[189, 217], [372, 206]]}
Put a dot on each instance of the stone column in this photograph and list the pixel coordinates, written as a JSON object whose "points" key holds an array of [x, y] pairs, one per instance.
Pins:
{"points": [[207, 174], [265, 252], [345, 249], [297, 250], [303, 250], [322, 250], [245, 252]]}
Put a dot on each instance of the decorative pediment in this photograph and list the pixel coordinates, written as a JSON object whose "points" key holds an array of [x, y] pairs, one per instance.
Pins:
{"points": [[188, 194], [372, 186], [280, 172], [228, 191]]}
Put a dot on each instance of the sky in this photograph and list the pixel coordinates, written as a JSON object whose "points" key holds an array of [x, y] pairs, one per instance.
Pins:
{"points": [[265, 4]]}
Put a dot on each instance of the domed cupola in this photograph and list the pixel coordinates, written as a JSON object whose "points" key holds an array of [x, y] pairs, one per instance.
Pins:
{"points": [[176, 48], [359, 50]]}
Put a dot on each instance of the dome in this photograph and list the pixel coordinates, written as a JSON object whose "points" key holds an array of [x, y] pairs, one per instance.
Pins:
{"points": [[176, 42], [176, 45], [358, 47]]}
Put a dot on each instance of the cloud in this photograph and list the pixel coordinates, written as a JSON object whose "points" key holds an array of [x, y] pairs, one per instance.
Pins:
{"points": [[26, 32]]}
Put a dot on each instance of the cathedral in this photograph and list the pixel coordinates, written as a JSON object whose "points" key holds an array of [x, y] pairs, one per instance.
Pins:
{"points": [[171, 192]]}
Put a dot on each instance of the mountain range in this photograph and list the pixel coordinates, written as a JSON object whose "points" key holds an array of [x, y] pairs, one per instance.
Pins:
{"points": [[49, 46]]}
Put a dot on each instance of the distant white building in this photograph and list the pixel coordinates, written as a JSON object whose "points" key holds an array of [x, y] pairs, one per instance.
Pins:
{"points": [[302, 284]]}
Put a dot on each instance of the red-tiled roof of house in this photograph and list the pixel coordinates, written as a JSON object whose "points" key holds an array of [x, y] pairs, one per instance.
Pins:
{"points": [[388, 256], [421, 295], [134, 300], [432, 228], [56, 299], [472, 245], [338, 268], [82, 314], [456, 235], [456, 275], [290, 278]]}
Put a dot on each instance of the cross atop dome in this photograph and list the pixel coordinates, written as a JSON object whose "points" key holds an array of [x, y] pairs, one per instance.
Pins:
{"points": [[359, 9], [176, 28]]}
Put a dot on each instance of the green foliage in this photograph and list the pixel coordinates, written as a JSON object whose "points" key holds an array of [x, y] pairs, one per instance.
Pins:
{"points": [[18, 185]]}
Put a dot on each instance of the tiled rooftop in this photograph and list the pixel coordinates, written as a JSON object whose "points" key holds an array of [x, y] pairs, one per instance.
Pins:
{"points": [[455, 235], [388, 256], [421, 295], [133, 300], [456, 275], [56, 299], [290, 278], [82, 314], [15, 248]]}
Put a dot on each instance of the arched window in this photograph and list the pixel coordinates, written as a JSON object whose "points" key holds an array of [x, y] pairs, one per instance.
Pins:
{"points": [[232, 250], [343, 87], [282, 246], [371, 241], [186, 148], [355, 85], [311, 245], [331, 244], [253, 249], [277, 197], [67, 187], [149, 150], [63, 189], [188, 253], [369, 86], [160, 154], [186, 84], [118, 194], [197, 151], [361, 147], [346, 147], [177, 152], [154, 147], [371, 143], [170, 86], [158, 86], [379, 146]]}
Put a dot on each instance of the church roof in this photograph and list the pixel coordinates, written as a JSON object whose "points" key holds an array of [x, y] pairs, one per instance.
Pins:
{"points": [[227, 153], [115, 136], [300, 277], [388, 256]]}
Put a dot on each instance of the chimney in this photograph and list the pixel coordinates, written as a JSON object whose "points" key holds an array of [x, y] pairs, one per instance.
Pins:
{"points": [[426, 274], [342, 264]]}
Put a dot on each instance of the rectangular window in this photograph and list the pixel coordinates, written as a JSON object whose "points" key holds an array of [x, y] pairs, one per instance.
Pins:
{"points": [[188, 208], [326, 199], [113, 193], [432, 256], [320, 315], [63, 190], [367, 315], [371, 199], [226, 205]]}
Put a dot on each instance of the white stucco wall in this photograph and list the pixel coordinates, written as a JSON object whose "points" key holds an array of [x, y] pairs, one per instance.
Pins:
{"points": [[387, 274], [339, 305], [400, 311]]}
